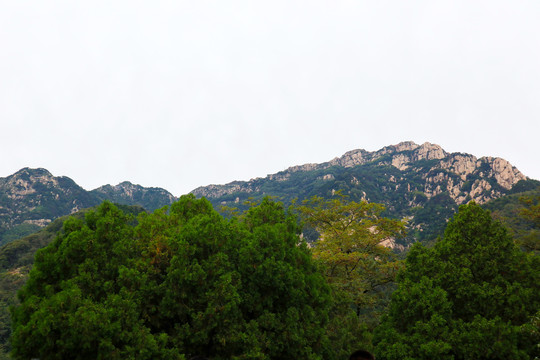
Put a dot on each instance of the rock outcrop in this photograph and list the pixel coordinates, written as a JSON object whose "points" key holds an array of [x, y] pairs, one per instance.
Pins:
{"points": [[422, 183], [32, 198], [449, 173]]}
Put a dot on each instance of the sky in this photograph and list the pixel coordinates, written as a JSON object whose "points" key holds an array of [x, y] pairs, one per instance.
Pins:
{"points": [[182, 94]]}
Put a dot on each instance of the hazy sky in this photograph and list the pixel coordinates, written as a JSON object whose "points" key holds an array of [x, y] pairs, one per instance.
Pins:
{"points": [[179, 94]]}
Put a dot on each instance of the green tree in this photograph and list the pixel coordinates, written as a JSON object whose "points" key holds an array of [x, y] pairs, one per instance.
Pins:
{"points": [[183, 282], [474, 295], [529, 239], [74, 305]]}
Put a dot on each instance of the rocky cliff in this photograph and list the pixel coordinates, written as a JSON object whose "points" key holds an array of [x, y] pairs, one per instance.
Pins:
{"points": [[411, 180], [127, 193], [462, 176], [32, 198]]}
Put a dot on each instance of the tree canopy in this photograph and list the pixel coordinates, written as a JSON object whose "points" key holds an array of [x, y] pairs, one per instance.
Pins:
{"points": [[350, 245], [474, 295], [184, 281], [355, 262]]}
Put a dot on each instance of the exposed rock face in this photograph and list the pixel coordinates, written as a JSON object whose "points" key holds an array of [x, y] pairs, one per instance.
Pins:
{"points": [[215, 191], [127, 193], [32, 198], [505, 174], [449, 174], [422, 183], [460, 164]]}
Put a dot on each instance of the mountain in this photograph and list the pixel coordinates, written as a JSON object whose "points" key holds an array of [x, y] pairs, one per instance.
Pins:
{"points": [[33, 198], [127, 193], [422, 184]]}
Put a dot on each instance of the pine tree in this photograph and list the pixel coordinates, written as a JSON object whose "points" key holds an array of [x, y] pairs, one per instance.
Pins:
{"points": [[474, 295]]}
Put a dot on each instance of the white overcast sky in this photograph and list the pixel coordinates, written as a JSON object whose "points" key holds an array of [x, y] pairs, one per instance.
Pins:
{"points": [[180, 94]]}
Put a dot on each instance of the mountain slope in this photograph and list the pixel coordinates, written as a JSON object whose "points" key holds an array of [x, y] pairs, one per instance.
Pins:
{"points": [[421, 183], [127, 193], [33, 198]]}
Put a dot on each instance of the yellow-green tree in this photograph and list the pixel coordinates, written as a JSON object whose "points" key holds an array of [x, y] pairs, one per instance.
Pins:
{"points": [[355, 262], [350, 245]]}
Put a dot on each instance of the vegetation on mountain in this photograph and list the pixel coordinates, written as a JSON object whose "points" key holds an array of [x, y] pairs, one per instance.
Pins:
{"points": [[420, 183], [520, 212], [474, 295], [32, 198], [127, 193], [183, 282]]}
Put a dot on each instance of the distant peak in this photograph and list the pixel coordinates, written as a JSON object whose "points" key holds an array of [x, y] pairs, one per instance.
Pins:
{"points": [[406, 146], [126, 183], [34, 172]]}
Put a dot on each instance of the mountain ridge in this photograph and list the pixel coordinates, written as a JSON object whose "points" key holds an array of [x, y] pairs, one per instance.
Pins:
{"points": [[32, 198], [421, 184], [459, 163], [412, 180]]}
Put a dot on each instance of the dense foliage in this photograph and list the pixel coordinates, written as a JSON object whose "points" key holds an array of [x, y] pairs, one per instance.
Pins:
{"points": [[350, 248], [182, 282], [187, 281], [520, 212], [355, 262], [474, 295]]}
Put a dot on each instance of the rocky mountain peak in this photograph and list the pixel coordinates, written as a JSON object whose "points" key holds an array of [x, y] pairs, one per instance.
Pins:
{"points": [[505, 174], [32, 198], [429, 151], [37, 172], [461, 176], [128, 193], [27, 181], [405, 156], [417, 182]]}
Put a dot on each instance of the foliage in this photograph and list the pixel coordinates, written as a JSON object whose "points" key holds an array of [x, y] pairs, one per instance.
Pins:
{"points": [[520, 212], [186, 281], [530, 239], [353, 260], [350, 244], [474, 295], [16, 259], [18, 231]]}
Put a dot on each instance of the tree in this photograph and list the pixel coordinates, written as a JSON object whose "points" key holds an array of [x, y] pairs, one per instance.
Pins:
{"points": [[355, 262], [350, 245], [183, 282], [474, 295], [74, 304], [529, 239]]}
